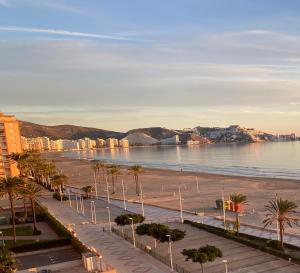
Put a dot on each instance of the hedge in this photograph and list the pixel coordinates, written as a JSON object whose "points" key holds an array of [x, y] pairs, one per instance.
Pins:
{"points": [[124, 219], [160, 232], [265, 245], [61, 230], [41, 245]]}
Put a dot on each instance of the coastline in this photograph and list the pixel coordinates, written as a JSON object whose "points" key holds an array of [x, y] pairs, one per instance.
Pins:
{"points": [[160, 188]]}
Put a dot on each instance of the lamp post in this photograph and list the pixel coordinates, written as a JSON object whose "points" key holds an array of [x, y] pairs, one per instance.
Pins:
{"points": [[95, 182], [82, 204], [77, 205], [108, 211], [226, 265], [132, 228], [124, 198], [180, 203], [170, 252], [197, 183], [107, 188], [3, 243], [93, 212], [224, 210], [142, 200], [70, 203]]}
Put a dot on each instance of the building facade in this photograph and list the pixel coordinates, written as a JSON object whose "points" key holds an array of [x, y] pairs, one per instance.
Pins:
{"points": [[10, 142]]}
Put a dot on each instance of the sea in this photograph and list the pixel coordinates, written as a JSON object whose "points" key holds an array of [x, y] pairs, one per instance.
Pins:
{"points": [[267, 159]]}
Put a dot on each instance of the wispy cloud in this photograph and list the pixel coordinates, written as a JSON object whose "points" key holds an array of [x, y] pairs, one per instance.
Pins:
{"points": [[67, 33], [4, 3]]}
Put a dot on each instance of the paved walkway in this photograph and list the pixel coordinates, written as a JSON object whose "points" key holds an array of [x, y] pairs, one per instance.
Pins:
{"points": [[116, 252], [153, 213]]}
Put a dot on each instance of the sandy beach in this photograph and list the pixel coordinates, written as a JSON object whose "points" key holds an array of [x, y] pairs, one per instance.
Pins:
{"points": [[160, 187]]}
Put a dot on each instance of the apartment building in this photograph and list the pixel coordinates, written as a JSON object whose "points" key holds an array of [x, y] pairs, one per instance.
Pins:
{"points": [[10, 142]]}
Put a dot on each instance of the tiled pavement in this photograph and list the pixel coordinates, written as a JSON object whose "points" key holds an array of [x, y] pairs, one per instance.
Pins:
{"points": [[154, 213], [116, 252]]}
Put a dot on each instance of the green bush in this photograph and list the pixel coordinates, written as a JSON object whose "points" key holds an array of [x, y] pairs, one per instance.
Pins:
{"points": [[7, 262], [56, 195], [262, 244], [160, 232], [124, 219]]}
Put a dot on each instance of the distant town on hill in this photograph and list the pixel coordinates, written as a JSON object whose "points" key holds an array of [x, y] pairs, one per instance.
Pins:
{"points": [[77, 136]]}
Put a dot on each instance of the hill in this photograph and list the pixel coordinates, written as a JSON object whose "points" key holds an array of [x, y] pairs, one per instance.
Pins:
{"points": [[155, 132], [29, 129]]}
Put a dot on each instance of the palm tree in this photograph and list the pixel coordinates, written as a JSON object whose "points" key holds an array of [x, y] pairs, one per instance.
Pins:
{"points": [[32, 191], [49, 171], [101, 165], [87, 190], [10, 186], [113, 171], [59, 180], [238, 199], [136, 170], [284, 213]]}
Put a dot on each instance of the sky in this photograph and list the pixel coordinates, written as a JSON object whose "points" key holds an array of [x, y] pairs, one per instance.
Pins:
{"points": [[123, 64]]}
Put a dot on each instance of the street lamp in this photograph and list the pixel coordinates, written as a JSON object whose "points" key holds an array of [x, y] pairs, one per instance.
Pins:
{"points": [[70, 203], [124, 198], [108, 210], [170, 252], [180, 203], [107, 188], [277, 223], [197, 183], [93, 212], [132, 228], [3, 243], [77, 205], [226, 265]]}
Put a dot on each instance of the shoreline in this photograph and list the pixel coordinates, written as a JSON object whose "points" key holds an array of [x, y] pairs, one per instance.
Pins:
{"points": [[160, 188], [187, 172]]}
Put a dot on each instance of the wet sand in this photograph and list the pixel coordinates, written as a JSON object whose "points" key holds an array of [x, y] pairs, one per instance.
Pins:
{"points": [[160, 187]]}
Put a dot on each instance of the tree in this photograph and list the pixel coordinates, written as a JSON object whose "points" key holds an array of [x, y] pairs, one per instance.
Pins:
{"points": [[59, 180], [284, 213], [114, 171], [7, 262], [87, 190], [10, 186], [238, 199], [202, 255], [124, 219], [32, 191], [136, 170]]}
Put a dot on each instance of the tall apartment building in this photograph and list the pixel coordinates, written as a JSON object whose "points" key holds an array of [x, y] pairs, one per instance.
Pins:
{"points": [[10, 142]]}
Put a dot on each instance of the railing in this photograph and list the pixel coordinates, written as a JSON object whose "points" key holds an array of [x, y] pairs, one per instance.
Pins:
{"points": [[152, 252]]}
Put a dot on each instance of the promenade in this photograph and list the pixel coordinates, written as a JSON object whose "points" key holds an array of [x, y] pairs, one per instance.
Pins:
{"points": [[116, 252], [121, 254]]}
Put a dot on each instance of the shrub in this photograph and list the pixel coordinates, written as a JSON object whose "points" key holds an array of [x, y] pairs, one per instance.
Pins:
{"points": [[160, 232], [203, 254], [124, 219], [7, 262], [56, 195]]}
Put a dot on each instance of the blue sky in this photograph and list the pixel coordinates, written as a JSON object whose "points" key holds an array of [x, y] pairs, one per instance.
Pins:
{"points": [[134, 63]]}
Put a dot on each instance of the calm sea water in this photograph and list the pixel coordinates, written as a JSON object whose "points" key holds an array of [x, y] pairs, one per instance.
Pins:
{"points": [[272, 159]]}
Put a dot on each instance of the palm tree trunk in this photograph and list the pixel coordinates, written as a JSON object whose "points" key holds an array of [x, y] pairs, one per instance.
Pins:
{"points": [[113, 183], [281, 234], [237, 222], [33, 213], [12, 207], [137, 191], [202, 268]]}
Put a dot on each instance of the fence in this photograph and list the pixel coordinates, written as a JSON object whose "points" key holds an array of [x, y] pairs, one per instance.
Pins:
{"points": [[152, 252]]}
